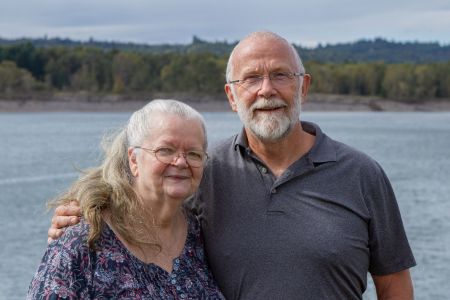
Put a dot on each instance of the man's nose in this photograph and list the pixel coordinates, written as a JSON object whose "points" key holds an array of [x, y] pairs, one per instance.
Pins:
{"points": [[267, 89]]}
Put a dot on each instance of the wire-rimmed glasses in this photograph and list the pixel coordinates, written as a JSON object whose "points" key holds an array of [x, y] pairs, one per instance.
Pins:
{"points": [[167, 155], [253, 83]]}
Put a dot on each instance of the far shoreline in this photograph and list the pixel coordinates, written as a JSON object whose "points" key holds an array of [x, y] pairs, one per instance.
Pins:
{"points": [[80, 102]]}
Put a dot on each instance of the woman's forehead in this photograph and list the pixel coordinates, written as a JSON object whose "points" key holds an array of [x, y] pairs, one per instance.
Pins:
{"points": [[177, 131]]}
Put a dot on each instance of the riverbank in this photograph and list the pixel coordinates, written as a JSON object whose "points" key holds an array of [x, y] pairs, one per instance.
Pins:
{"points": [[116, 103]]}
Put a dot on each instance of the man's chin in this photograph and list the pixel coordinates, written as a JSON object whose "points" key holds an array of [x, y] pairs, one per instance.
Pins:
{"points": [[270, 133]]}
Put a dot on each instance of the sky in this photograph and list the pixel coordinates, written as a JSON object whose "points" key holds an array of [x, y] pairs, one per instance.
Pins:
{"points": [[305, 23]]}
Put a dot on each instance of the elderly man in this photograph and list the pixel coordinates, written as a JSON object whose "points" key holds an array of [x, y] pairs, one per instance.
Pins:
{"points": [[287, 212]]}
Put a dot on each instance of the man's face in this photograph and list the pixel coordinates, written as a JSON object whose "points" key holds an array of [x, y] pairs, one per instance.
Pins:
{"points": [[269, 119], [271, 109]]}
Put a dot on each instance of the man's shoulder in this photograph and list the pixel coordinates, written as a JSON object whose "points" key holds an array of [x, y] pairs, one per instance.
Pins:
{"points": [[356, 158], [344, 150], [327, 148]]}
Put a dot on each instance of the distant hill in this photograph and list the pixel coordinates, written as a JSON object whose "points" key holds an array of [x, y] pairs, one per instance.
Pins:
{"points": [[360, 51], [378, 50]]}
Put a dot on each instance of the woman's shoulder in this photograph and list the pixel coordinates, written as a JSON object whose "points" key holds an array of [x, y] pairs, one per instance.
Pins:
{"points": [[194, 239], [193, 222], [65, 261], [74, 237]]}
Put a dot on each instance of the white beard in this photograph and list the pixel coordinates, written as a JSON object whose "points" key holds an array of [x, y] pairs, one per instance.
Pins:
{"points": [[269, 127]]}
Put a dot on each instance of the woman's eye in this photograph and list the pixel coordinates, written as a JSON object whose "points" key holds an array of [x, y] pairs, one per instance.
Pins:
{"points": [[194, 155], [165, 151]]}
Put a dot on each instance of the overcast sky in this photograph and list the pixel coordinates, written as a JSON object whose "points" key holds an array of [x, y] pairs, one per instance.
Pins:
{"points": [[302, 22]]}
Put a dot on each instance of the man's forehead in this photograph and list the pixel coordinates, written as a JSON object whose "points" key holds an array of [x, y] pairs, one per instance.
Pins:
{"points": [[262, 67], [263, 62], [259, 55]]}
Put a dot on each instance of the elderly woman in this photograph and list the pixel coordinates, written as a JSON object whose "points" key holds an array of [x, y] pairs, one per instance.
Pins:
{"points": [[135, 240]]}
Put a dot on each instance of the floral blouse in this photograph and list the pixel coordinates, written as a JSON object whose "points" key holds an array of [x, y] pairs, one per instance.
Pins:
{"points": [[70, 270]]}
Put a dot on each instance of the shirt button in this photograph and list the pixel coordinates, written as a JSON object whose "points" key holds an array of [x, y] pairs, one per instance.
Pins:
{"points": [[183, 296], [274, 191], [264, 170], [178, 288], [173, 281]]}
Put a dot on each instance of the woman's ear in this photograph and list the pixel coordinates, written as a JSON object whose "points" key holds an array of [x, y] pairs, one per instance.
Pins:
{"points": [[132, 161]]}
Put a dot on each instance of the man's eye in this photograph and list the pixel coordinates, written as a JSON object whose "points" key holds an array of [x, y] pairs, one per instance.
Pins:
{"points": [[165, 151], [252, 78], [280, 76]]}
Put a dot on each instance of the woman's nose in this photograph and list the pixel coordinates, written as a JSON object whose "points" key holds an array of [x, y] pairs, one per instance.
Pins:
{"points": [[180, 160]]}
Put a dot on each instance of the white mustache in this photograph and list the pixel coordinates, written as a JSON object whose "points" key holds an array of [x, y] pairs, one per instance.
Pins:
{"points": [[263, 103]]}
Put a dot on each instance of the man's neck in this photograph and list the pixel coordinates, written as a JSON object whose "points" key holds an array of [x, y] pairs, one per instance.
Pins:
{"points": [[279, 155]]}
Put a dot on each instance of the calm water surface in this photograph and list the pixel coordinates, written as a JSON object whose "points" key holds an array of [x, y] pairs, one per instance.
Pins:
{"points": [[40, 153]]}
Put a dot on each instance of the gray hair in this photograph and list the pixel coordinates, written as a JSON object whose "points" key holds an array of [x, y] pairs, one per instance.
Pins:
{"points": [[141, 121], [110, 185], [265, 35]]}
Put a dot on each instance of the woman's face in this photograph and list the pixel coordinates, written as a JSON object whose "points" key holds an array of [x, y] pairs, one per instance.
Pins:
{"points": [[176, 180]]}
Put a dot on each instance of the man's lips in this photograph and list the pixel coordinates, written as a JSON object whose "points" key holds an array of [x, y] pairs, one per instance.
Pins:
{"points": [[269, 109]]}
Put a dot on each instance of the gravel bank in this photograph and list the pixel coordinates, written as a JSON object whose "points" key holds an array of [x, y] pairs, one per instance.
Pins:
{"points": [[316, 102]]}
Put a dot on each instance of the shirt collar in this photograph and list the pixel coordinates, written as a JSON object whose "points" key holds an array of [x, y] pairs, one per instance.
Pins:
{"points": [[322, 151]]}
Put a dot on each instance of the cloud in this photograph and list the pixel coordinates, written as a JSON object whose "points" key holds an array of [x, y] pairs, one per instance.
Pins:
{"points": [[302, 22]]}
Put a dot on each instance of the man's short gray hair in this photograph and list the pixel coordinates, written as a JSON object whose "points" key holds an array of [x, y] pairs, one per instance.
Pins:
{"points": [[263, 34]]}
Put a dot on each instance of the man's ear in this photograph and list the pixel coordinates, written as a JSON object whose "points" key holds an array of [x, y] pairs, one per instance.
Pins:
{"points": [[230, 97], [305, 86], [132, 161]]}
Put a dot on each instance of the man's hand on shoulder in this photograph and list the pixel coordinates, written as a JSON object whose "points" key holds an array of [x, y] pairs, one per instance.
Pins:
{"points": [[65, 215]]}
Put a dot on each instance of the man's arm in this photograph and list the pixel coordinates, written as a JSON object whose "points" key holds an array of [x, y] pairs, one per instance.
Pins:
{"points": [[65, 215], [396, 286]]}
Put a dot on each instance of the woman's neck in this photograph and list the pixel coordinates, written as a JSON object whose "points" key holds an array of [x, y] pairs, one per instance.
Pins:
{"points": [[169, 236]]}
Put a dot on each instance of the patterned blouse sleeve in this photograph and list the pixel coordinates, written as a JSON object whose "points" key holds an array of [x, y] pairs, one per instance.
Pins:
{"points": [[64, 269]]}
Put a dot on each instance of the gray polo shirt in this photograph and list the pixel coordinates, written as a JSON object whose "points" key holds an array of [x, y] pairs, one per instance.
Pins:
{"points": [[312, 233]]}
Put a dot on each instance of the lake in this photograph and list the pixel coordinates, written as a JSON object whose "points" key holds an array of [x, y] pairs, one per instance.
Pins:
{"points": [[40, 153]]}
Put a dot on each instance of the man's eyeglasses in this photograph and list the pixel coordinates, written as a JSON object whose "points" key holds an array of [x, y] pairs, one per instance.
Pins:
{"points": [[168, 155], [253, 83]]}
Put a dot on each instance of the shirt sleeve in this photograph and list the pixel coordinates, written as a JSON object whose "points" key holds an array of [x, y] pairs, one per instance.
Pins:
{"points": [[389, 248], [63, 270]]}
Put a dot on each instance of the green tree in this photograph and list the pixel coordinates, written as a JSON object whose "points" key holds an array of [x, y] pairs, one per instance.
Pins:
{"points": [[399, 81], [95, 73], [125, 66], [193, 72], [14, 79]]}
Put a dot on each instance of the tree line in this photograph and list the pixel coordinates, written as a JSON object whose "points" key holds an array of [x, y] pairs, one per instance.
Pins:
{"points": [[359, 51], [25, 68]]}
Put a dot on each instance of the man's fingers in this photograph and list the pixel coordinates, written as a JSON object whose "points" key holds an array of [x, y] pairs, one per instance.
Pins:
{"points": [[59, 222], [54, 234], [65, 215], [68, 210]]}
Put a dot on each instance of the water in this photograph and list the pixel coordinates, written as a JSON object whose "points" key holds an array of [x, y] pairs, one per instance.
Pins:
{"points": [[40, 153]]}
